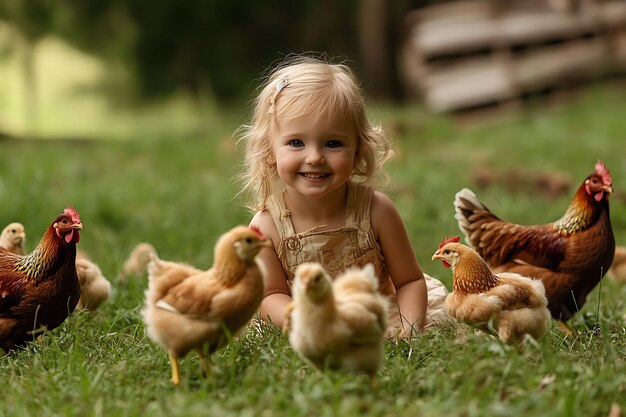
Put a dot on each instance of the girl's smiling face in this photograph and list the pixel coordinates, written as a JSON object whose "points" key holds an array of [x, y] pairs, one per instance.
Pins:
{"points": [[315, 154]]}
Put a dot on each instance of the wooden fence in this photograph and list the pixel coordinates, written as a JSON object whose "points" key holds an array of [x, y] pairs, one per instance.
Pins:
{"points": [[466, 54]]}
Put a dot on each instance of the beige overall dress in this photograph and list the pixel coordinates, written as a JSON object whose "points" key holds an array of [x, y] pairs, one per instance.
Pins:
{"points": [[354, 244]]}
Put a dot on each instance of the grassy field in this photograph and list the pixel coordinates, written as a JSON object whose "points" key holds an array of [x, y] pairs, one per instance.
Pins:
{"points": [[176, 190]]}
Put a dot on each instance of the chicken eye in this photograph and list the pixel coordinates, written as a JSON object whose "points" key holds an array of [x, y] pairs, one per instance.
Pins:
{"points": [[446, 252], [248, 240]]}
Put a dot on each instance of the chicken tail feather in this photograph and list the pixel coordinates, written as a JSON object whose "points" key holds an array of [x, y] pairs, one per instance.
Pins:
{"points": [[470, 213]]}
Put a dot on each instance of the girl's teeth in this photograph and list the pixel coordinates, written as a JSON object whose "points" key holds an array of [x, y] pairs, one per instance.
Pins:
{"points": [[314, 175]]}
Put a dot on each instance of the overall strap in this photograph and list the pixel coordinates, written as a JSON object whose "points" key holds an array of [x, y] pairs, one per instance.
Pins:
{"points": [[359, 206], [281, 216]]}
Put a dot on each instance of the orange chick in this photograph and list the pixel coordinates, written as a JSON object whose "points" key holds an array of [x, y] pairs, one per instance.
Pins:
{"points": [[12, 238], [138, 260], [617, 271], [340, 324], [514, 305], [95, 289], [186, 309]]}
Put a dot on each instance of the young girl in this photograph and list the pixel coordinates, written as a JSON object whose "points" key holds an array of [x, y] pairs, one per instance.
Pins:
{"points": [[310, 155]]}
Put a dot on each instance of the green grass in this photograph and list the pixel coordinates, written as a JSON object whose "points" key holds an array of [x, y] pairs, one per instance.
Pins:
{"points": [[177, 192]]}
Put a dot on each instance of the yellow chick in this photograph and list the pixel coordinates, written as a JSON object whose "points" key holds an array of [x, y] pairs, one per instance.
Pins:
{"points": [[186, 309], [340, 324], [13, 237], [94, 287], [514, 305], [138, 260]]}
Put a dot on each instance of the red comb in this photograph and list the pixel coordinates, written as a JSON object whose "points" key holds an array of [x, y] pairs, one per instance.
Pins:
{"points": [[257, 231], [71, 211], [449, 239], [603, 172]]}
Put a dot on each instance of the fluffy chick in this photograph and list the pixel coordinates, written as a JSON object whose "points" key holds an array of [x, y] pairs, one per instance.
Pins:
{"points": [[514, 305], [95, 289], [340, 324], [138, 260], [187, 309], [617, 271], [12, 238]]}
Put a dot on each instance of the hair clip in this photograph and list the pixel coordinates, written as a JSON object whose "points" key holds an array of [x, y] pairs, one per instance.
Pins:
{"points": [[281, 84]]}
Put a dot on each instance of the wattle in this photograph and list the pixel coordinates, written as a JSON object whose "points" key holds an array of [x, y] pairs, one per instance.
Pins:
{"points": [[599, 196], [447, 265], [72, 235]]}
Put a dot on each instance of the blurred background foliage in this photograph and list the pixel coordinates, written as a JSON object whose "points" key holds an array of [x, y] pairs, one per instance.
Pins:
{"points": [[214, 47], [98, 69], [96, 56]]}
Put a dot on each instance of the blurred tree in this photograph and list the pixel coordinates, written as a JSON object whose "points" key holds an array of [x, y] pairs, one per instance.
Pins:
{"points": [[223, 45], [219, 47]]}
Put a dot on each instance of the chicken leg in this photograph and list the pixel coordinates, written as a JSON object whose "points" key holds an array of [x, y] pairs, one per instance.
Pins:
{"points": [[175, 369], [205, 363], [566, 329]]}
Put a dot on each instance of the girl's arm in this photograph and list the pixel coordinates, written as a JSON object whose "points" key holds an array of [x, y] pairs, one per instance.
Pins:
{"points": [[405, 272], [277, 295], [413, 302]]}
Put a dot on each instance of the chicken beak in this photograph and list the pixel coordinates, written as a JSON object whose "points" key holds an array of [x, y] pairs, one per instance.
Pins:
{"points": [[437, 255], [265, 243], [608, 189], [77, 226]]}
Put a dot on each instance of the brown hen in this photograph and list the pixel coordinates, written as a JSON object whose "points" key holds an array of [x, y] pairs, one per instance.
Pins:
{"points": [[513, 305], [40, 290], [570, 255]]}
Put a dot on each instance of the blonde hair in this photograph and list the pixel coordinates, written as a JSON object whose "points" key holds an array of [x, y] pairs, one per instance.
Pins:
{"points": [[299, 86]]}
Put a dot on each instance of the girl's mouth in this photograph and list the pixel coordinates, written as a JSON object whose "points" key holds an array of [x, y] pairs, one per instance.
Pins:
{"points": [[314, 176]]}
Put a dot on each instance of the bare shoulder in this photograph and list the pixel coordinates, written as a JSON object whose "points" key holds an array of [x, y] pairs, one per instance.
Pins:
{"points": [[383, 212], [393, 238], [382, 202], [265, 223]]}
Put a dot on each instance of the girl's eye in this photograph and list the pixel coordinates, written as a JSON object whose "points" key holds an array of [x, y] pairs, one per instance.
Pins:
{"points": [[334, 144], [296, 143]]}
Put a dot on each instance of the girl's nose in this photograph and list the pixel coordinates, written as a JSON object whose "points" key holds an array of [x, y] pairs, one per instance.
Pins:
{"points": [[314, 157]]}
